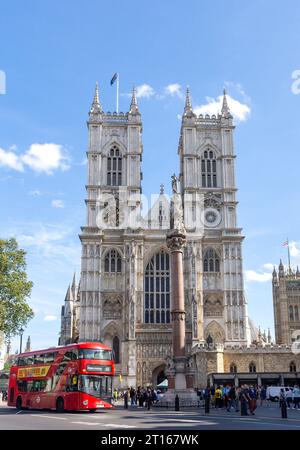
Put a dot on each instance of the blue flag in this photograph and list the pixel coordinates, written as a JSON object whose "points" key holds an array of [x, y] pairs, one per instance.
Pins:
{"points": [[114, 78]]}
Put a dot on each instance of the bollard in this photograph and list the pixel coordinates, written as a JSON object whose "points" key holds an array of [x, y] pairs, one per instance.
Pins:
{"points": [[283, 409], [206, 405], [176, 403]]}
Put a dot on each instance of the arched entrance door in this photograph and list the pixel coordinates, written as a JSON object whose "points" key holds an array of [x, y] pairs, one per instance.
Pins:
{"points": [[158, 375]]}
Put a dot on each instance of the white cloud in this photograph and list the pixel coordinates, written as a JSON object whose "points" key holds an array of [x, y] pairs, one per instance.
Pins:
{"points": [[240, 111], [260, 277], [35, 193], [58, 203], [10, 160], [144, 90], [269, 266], [50, 318], [40, 158], [174, 89], [294, 248], [46, 158]]}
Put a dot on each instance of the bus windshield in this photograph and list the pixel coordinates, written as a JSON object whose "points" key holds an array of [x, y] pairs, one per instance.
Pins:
{"points": [[97, 385], [95, 353]]}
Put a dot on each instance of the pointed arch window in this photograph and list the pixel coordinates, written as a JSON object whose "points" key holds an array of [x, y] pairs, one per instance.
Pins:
{"points": [[211, 262], [209, 169], [292, 367], [114, 167], [252, 367], [113, 262], [157, 289], [296, 313], [291, 313], [116, 349], [233, 368]]}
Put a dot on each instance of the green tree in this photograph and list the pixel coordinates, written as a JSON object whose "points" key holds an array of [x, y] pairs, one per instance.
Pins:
{"points": [[15, 313]]}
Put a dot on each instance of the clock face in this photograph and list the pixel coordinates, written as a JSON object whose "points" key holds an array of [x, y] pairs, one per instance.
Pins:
{"points": [[212, 217]]}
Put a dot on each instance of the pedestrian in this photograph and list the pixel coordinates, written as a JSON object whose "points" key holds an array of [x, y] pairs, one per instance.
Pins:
{"points": [[263, 395], [218, 395], [296, 397], [125, 397], [289, 397], [244, 398], [252, 400], [282, 403], [115, 395]]}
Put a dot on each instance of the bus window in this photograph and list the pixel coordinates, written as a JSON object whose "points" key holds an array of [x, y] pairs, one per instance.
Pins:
{"points": [[70, 355], [92, 353], [38, 359], [49, 358], [22, 386]]}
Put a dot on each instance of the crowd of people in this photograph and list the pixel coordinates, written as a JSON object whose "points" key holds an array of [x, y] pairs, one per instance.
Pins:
{"points": [[140, 397], [246, 398]]}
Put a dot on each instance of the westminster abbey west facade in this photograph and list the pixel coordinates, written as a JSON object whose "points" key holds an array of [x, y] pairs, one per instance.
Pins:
{"points": [[123, 298]]}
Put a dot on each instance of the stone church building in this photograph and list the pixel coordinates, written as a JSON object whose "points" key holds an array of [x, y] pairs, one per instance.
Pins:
{"points": [[123, 298]]}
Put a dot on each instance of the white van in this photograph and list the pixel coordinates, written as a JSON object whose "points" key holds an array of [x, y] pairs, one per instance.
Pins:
{"points": [[273, 392]]}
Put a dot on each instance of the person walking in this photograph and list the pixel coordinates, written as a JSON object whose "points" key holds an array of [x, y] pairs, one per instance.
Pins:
{"points": [[244, 398], [296, 397], [263, 395], [252, 400], [289, 397], [125, 397], [218, 395]]}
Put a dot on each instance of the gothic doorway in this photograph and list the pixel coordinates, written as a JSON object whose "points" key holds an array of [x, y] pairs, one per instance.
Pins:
{"points": [[158, 375]]}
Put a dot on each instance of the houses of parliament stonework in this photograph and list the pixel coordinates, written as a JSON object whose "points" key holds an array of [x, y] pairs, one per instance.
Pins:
{"points": [[123, 298]]}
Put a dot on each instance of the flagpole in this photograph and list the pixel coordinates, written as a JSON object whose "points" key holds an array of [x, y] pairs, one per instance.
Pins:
{"points": [[118, 94], [289, 256]]}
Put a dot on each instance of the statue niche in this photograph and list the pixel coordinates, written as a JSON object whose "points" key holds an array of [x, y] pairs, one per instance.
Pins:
{"points": [[112, 308]]}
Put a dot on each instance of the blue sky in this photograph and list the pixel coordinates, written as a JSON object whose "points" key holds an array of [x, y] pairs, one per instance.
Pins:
{"points": [[53, 52]]}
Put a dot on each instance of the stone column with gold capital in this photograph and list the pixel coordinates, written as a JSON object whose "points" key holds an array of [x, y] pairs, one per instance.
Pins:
{"points": [[176, 241]]}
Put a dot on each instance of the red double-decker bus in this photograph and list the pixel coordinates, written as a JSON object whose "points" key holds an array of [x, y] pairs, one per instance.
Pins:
{"points": [[72, 377]]}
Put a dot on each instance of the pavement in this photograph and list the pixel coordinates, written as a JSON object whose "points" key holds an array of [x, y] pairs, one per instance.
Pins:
{"points": [[265, 418]]}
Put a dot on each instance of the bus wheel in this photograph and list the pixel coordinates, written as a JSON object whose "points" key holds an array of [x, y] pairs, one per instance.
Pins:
{"points": [[60, 405], [93, 410], [19, 403]]}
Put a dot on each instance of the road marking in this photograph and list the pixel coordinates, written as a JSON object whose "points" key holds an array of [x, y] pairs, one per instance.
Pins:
{"points": [[48, 417], [204, 422], [111, 425], [87, 423], [18, 412]]}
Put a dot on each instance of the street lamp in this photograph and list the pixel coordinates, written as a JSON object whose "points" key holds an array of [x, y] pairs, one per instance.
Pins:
{"points": [[21, 335]]}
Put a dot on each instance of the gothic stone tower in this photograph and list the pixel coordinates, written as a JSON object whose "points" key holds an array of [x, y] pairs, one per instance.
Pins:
{"points": [[286, 305], [125, 287], [110, 259], [213, 261]]}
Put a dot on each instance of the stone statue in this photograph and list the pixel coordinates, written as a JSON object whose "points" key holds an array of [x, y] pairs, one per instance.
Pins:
{"points": [[174, 184]]}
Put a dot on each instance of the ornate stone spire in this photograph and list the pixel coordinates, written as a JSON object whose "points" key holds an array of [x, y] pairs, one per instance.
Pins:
{"points": [[274, 273], [269, 336], [28, 345], [96, 107], [188, 105], [73, 286], [225, 108], [134, 106], [297, 272], [162, 189], [281, 268]]}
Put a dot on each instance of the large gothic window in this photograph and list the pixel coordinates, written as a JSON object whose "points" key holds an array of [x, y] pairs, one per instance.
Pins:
{"points": [[157, 289], [211, 262], [116, 349], [291, 313], [114, 167], [112, 262], [209, 169]]}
